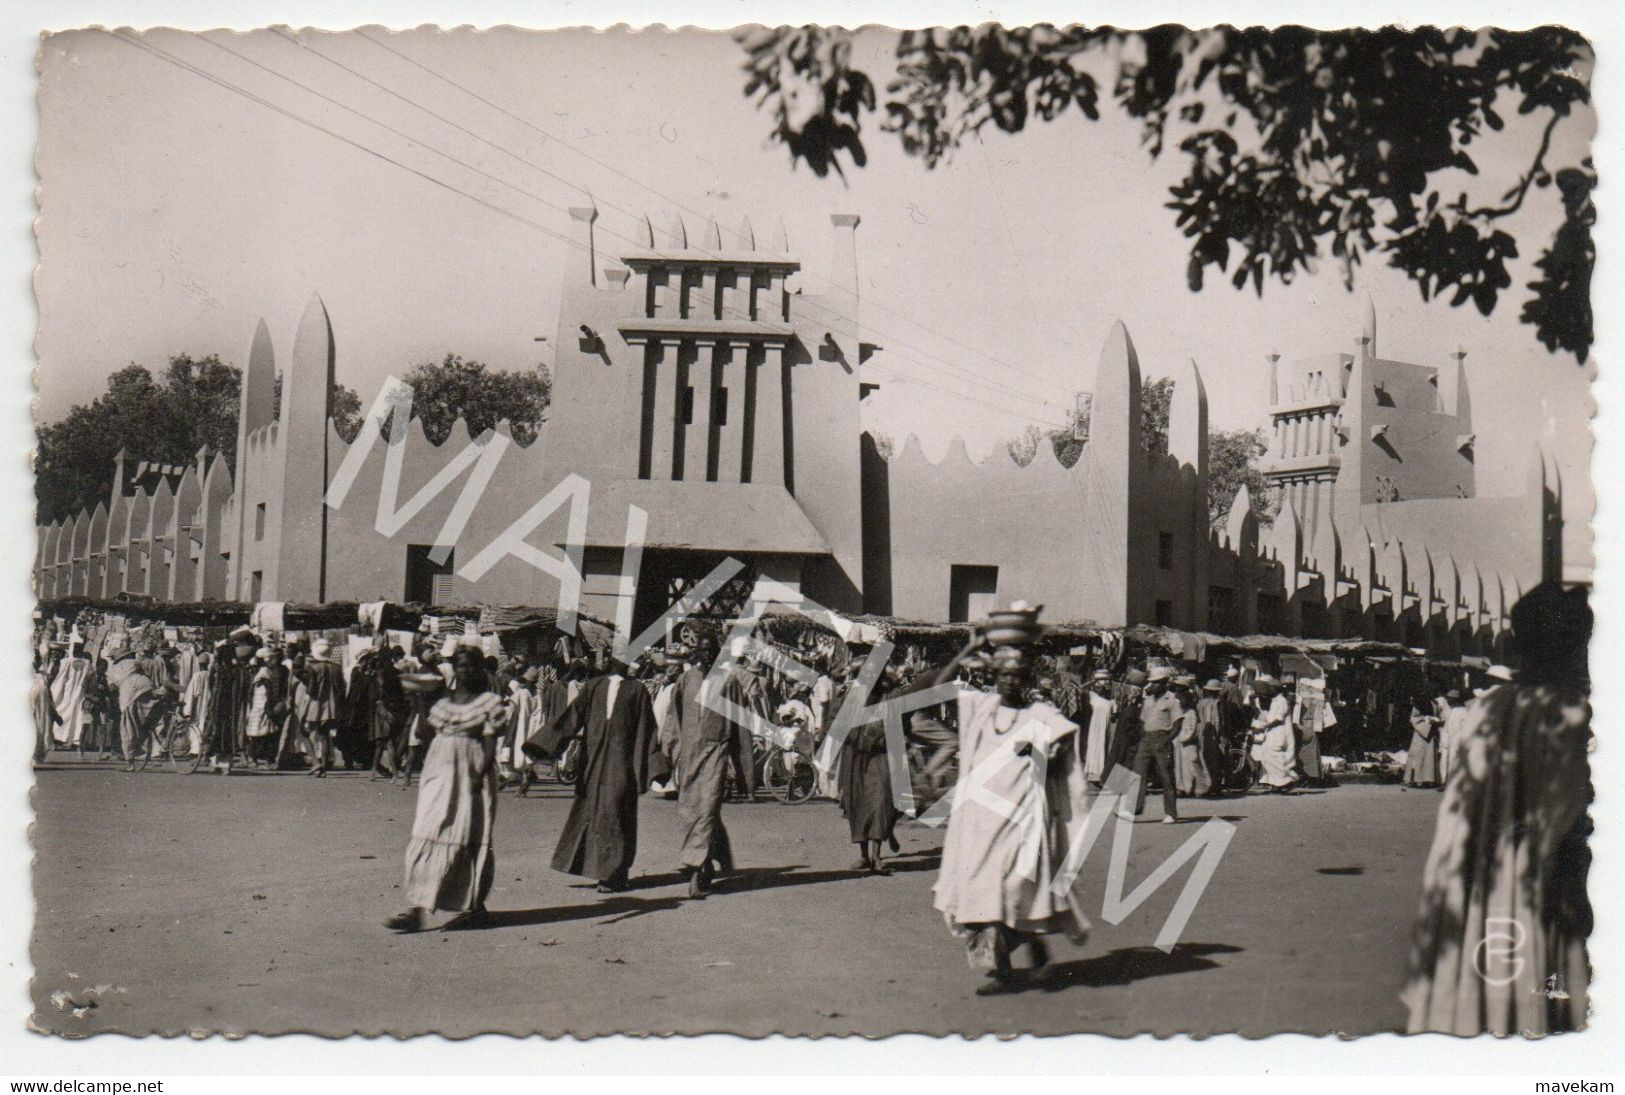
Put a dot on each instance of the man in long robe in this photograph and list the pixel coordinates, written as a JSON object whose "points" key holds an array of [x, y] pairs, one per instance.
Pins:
{"points": [[1275, 748], [68, 696], [1008, 828], [620, 755], [1210, 734], [1101, 711], [324, 691], [707, 742], [229, 677], [1451, 734]]}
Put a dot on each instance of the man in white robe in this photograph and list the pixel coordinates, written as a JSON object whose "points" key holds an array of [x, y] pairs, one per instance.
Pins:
{"points": [[68, 694]]}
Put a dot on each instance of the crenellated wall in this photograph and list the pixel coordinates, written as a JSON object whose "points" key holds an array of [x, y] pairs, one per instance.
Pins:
{"points": [[699, 385], [1118, 538]]}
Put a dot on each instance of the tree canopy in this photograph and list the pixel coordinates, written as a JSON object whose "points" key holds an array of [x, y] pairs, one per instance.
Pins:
{"points": [[194, 402], [452, 388], [166, 418], [1232, 460], [1297, 143], [1232, 463]]}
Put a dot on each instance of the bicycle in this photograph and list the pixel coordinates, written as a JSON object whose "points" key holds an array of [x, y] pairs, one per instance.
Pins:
{"points": [[568, 765], [788, 775], [172, 736]]}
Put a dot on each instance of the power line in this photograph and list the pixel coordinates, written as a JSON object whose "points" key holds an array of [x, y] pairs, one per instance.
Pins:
{"points": [[992, 385], [673, 201], [188, 66], [213, 78], [634, 214]]}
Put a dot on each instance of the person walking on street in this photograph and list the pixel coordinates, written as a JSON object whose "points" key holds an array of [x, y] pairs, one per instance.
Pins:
{"points": [[1160, 715], [620, 755], [450, 861], [707, 743]]}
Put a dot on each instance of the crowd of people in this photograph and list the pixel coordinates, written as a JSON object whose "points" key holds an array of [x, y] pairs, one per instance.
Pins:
{"points": [[691, 721]]}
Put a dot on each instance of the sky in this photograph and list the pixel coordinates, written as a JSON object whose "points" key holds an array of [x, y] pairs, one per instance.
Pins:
{"points": [[176, 213]]}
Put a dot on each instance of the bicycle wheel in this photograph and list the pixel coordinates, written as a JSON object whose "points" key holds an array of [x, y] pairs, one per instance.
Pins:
{"points": [[565, 768], [801, 782], [775, 773], [200, 760], [179, 746]]}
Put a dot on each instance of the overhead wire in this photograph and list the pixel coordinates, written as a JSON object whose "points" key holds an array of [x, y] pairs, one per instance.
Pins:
{"points": [[219, 81], [878, 304], [971, 375], [995, 386]]}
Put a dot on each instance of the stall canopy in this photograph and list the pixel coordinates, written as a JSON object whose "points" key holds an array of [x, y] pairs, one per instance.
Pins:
{"points": [[782, 623], [332, 615]]}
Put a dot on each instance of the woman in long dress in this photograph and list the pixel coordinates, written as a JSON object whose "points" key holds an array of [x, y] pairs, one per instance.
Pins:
{"points": [[1422, 758], [1018, 778], [1500, 939], [1190, 769], [44, 709], [866, 795], [449, 862]]}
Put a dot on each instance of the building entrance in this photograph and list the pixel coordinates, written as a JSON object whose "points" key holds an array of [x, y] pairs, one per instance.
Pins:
{"points": [[667, 576]]}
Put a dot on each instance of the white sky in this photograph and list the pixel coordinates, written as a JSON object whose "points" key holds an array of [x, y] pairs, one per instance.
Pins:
{"points": [[176, 213]]}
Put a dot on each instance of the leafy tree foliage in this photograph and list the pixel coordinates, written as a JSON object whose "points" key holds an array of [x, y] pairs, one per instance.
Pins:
{"points": [[454, 388], [1297, 143], [164, 419], [1233, 455], [1232, 462], [1156, 398]]}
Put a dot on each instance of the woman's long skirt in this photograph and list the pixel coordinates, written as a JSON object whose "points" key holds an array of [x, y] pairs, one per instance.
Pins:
{"points": [[449, 862], [1422, 761], [1190, 769]]}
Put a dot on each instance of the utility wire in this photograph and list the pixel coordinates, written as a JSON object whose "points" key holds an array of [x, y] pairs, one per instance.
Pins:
{"points": [[213, 78]]}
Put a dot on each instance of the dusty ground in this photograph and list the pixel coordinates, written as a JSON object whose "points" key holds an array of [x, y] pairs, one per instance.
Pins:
{"points": [[253, 903]]}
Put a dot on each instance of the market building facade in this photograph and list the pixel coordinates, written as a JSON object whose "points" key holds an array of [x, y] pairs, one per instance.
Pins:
{"points": [[703, 399]]}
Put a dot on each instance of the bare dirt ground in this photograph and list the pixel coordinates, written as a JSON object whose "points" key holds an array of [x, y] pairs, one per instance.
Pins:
{"points": [[254, 904]]}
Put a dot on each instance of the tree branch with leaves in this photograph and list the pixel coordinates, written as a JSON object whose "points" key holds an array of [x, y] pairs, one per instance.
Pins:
{"points": [[1298, 143]]}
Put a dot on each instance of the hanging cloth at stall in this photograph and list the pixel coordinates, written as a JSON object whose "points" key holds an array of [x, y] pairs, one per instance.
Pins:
{"points": [[268, 616]]}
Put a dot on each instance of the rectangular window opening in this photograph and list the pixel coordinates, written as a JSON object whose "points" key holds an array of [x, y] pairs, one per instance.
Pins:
{"points": [[972, 592], [424, 576]]}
